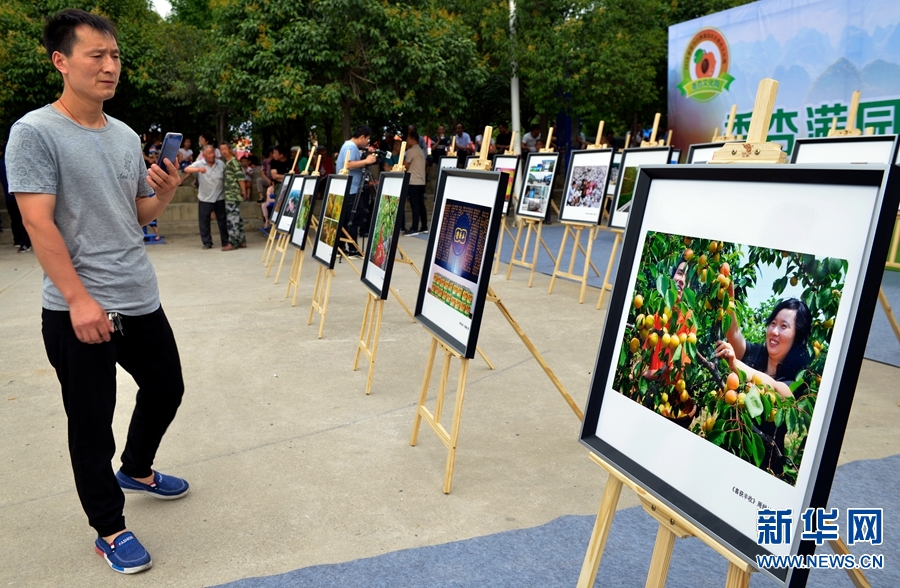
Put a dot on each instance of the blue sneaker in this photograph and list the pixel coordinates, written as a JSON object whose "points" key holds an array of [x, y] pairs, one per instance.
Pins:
{"points": [[163, 487], [125, 555]]}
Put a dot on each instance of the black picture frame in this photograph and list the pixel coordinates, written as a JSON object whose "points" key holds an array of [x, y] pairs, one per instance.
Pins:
{"points": [[543, 184], [378, 266], [279, 201], [450, 303], [328, 234], [614, 173], [290, 203], [675, 157], [856, 196], [855, 149], [586, 158], [303, 219], [446, 162], [702, 152], [627, 180], [505, 163]]}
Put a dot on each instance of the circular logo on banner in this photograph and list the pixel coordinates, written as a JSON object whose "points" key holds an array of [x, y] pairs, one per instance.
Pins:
{"points": [[461, 234], [704, 71]]}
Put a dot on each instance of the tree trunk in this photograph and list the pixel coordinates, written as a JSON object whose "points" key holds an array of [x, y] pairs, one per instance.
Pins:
{"points": [[221, 125]]}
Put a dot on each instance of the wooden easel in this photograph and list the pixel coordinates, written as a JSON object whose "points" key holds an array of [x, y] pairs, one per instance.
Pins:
{"points": [[609, 266], [850, 129], [369, 335], [482, 162], [532, 227], [275, 238], [575, 230], [370, 332], [297, 264], [755, 149], [671, 526], [513, 201], [433, 419], [321, 293], [717, 138]]}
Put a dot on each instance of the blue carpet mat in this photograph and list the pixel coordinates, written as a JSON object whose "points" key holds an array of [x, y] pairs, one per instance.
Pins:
{"points": [[551, 555]]}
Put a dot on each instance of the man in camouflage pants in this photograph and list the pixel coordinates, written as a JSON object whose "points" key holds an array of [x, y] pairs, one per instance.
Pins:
{"points": [[234, 174]]}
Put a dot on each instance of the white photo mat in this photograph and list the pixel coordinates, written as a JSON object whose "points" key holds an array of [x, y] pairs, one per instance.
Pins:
{"points": [[304, 213], [592, 166], [328, 235], [537, 184], [629, 170], [373, 274]]}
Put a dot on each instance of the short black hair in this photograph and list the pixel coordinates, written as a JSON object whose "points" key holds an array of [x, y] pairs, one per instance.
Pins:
{"points": [[210, 140], [59, 29], [413, 134], [535, 127], [362, 131]]}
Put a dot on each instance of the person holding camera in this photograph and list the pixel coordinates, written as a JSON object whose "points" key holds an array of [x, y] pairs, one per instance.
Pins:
{"points": [[350, 158], [100, 295]]}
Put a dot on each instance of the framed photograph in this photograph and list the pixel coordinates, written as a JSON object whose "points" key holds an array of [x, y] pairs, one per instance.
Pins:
{"points": [[537, 187], [727, 364], [676, 156], [467, 212], [280, 199], [508, 164], [703, 152], [614, 174], [860, 149], [328, 238], [300, 227], [632, 160], [291, 204], [584, 190], [384, 232], [446, 162]]}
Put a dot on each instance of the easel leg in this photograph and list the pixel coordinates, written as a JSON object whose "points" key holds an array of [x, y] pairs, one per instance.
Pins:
{"points": [[270, 260], [856, 576], [515, 248], [297, 281], [282, 246], [316, 293], [600, 533], [325, 305], [612, 258], [537, 250], [737, 578], [484, 357], [457, 418], [595, 230], [429, 365], [363, 334], [374, 345], [886, 305], [499, 245], [662, 557], [562, 250], [587, 263], [292, 277]]}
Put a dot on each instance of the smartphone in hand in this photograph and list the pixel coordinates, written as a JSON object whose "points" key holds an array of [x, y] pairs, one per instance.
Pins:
{"points": [[169, 150]]}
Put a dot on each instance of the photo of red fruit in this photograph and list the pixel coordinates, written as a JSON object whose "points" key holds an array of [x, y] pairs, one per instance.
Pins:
{"points": [[704, 64]]}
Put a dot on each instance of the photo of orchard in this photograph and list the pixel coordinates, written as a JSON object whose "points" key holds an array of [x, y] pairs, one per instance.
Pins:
{"points": [[729, 341]]}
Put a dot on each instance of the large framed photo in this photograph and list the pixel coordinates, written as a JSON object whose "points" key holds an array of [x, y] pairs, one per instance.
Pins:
{"points": [[384, 231], [508, 164], [291, 204], [860, 149], [584, 190], [703, 152], [280, 199], [300, 227], [328, 238], [467, 213], [614, 174], [537, 187], [726, 373], [632, 160]]}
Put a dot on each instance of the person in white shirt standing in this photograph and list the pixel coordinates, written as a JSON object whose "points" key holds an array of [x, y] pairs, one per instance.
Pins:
{"points": [[211, 195]]}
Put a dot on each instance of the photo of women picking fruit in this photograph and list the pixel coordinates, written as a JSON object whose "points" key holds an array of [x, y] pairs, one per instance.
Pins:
{"points": [[729, 341]]}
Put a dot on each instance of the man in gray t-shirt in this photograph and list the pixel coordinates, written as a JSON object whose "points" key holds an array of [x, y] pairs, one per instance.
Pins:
{"points": [[211, 194], [84, 193]]}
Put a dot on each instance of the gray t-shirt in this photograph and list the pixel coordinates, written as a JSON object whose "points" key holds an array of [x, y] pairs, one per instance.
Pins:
{"points": [[96, 175], [212, 183]]}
